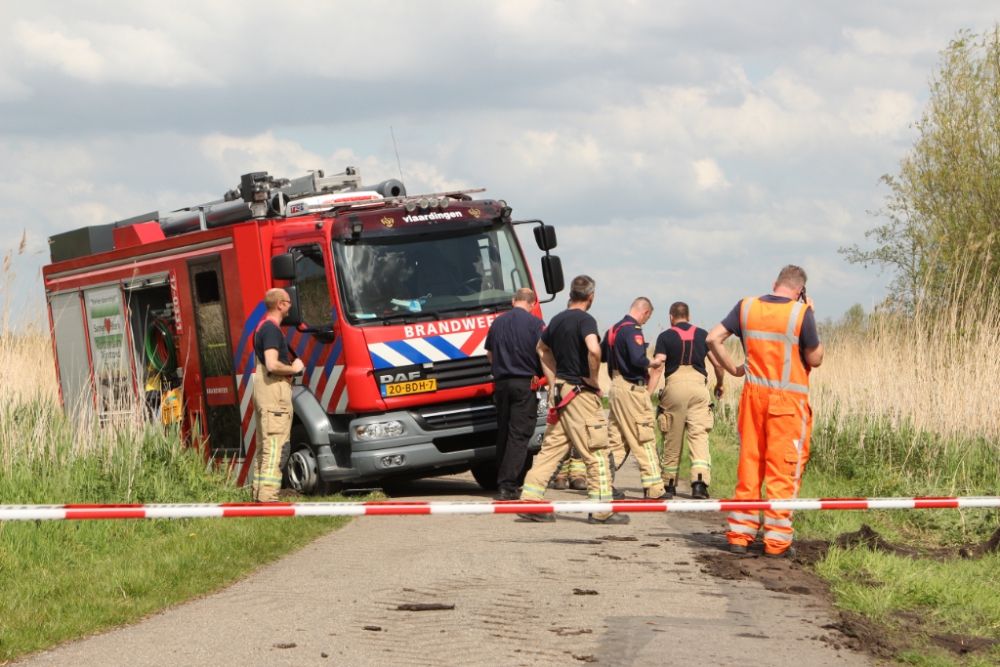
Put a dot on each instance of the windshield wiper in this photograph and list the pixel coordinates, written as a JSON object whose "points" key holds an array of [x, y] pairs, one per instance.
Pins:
{"points": [[495, 308], [405, 316]]}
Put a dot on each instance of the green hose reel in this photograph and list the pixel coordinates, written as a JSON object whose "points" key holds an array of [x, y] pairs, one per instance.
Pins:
{"points": [[160, 349]]}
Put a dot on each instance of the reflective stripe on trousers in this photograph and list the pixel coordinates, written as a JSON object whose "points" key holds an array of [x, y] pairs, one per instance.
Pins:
{"points": [[774, 429]]}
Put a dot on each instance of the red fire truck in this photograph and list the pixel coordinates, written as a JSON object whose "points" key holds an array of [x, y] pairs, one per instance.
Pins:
{"points": [[392, 296]]}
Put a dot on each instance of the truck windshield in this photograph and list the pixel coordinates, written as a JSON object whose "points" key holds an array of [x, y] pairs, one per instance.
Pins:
{"points": [[396, 277]]}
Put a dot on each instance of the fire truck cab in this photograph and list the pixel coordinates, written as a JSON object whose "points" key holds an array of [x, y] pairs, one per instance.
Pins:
{"points": [[392, 298]]}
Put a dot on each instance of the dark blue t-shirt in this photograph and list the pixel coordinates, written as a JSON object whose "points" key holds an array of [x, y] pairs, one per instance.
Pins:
{"points": [[629, 354], [270, 337], [512, 340], [677, 352]]}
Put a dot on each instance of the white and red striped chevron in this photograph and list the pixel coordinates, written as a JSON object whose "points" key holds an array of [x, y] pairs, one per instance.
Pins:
{"points": [[78, 512]]}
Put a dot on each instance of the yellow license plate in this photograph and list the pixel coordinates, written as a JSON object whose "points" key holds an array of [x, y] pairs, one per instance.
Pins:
{"points": [[412, 387]]}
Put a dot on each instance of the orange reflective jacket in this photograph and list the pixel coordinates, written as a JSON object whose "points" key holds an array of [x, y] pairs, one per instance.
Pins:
{"points": [[771, 343]]}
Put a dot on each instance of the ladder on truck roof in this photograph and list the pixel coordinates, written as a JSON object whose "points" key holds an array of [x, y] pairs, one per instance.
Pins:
{"points": [[259, 195]]}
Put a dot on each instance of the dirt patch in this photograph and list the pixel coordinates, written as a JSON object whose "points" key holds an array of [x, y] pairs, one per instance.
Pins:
{"points": [[904, 630], [781, 575], [425, 606], [962, 644], [862, 634], [867, 538], [990, 546]]}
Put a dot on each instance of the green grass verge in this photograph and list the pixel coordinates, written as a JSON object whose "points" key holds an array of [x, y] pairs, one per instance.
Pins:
{"points": [[65, 579], [957, 596], [62, 580]]}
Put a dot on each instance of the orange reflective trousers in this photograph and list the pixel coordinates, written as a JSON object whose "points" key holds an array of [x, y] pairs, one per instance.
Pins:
{"points": [[775, 421], [774, 447]]}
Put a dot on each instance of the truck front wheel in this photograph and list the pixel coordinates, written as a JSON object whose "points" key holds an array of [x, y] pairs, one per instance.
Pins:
{"points": [[486, 474], [301, 472]]}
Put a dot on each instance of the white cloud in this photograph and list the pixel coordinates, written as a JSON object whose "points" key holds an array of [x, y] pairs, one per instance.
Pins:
{"points": [[709, 175], [109, 52], [879, 112], [613, 122]]}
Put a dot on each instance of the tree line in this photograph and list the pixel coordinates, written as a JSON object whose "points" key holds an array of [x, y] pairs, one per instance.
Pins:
{"points": [[939, 239]]}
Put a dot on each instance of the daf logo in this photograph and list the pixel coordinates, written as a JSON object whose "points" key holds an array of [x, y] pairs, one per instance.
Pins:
{"points": [[399, 377]]}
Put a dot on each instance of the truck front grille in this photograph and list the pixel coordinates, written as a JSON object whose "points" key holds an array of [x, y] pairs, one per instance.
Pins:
{"points": [[460, 372], [456, 415]]}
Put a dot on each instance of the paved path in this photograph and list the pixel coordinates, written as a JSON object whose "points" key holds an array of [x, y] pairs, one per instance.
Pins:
{"points": [[512, 583]]}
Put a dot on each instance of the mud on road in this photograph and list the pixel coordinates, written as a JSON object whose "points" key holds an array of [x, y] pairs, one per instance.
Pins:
{"points": [[493, 590]]}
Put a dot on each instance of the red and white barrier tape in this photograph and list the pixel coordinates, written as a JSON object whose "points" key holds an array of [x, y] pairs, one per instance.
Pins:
{"points": [[77, 512]]}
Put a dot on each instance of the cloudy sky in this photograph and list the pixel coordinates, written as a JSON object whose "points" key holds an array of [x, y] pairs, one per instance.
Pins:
{"points": [[684, 150]]}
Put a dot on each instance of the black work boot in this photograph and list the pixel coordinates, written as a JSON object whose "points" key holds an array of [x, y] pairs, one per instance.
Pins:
{"points": [[669, 489], [616, 494], [619, 519], [509, 495], [787, 553], [663, 496], [539, 518], [578, 484], [699, 489]]}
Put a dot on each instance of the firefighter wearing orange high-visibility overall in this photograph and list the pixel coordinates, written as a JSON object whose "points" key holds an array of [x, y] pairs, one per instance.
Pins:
{"points": [[775, 421]]}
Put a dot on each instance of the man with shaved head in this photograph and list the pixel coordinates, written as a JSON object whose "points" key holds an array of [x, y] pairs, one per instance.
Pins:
{"points": [[685, 404], [631, 418]]}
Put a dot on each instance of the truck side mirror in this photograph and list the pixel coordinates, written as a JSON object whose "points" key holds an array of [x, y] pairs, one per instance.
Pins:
{"points": [[545, 237], [283, 267], [294, 316], [552, 273]]}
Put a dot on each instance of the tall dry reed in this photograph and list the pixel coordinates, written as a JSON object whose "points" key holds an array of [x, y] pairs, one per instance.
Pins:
{"points": [[34, 432]]}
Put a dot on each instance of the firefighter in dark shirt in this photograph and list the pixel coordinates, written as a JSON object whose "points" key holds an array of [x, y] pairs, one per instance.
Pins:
{"points": [[624, 351], [272, 397], [685, 405], [570, 352], [510, 347]]}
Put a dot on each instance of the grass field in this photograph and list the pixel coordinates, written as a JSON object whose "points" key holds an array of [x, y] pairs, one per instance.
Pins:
{"points": [[903, 406], [64, 579], [956, 596]]}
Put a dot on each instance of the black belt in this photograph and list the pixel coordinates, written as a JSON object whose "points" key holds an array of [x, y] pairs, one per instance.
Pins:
{"points": [[638, 383]]}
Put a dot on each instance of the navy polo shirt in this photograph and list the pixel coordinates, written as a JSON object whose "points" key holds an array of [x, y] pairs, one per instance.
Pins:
{"points": [[628, 355], [512, 340]]}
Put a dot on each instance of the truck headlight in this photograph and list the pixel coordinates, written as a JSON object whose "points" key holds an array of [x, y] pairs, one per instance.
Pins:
{"points": [[543, 403], [379, 430]]}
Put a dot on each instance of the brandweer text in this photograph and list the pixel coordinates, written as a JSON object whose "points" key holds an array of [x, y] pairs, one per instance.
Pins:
{"points": [[451, 326]]}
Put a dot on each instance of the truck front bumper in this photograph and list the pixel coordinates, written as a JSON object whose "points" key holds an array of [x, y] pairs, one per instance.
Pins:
{"points": [[420, 451]]}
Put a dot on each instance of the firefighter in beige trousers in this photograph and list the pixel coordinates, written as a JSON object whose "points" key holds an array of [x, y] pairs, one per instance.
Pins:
{"points": [[570, 352], [272, 397], [685, 404], [624, 351]]}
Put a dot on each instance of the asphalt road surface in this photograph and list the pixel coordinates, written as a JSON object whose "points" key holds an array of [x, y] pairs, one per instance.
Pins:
{"points": [[512, 584]]}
